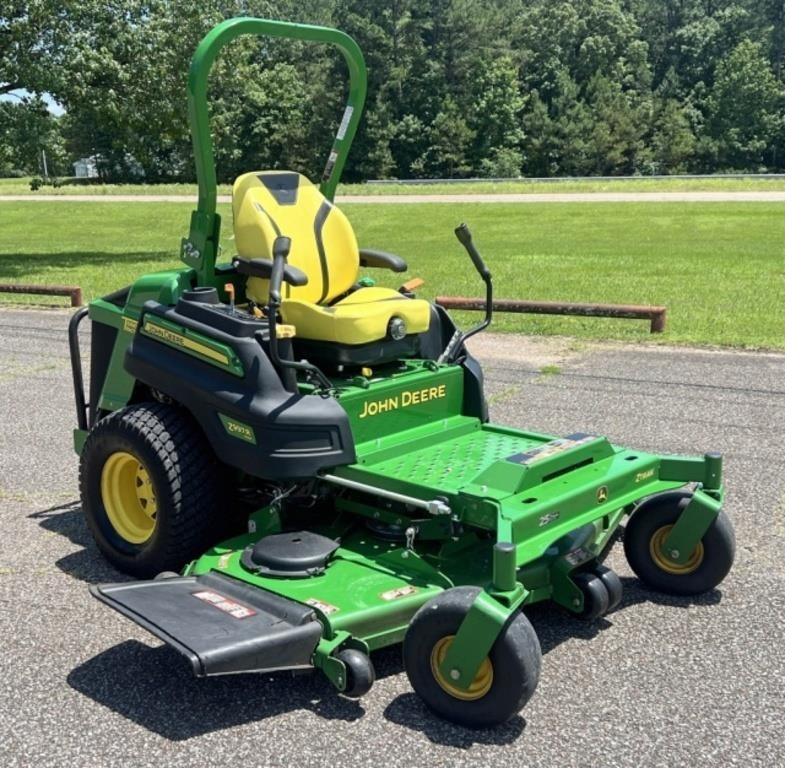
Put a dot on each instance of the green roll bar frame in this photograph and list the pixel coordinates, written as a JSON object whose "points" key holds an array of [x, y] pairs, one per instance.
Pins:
{"points": [[200, 249]]}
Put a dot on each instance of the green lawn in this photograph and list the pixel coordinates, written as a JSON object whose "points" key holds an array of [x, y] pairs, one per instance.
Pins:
{"points": [[706, 184], [718, 267]]}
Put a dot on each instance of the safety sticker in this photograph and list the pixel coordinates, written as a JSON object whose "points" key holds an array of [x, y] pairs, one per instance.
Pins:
{"points": [[331, 161], [578, 556], [398, 592], [347, 116], [552, 448], [222, 603], [321, 605]]}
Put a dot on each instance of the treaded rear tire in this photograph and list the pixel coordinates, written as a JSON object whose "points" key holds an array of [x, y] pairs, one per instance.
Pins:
{"points": [[184, 474]]}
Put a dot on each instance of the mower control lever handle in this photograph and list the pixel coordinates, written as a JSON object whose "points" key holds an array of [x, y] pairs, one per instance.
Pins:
{"points": [[455, 346], [464, 236], [281, 248]]}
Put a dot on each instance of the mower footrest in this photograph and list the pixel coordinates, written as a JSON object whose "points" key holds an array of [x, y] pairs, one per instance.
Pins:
{"points": [[220, 624]]}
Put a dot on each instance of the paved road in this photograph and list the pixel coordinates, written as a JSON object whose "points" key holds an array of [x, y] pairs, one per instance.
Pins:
{"points": [[659, 682], [527, 197]]}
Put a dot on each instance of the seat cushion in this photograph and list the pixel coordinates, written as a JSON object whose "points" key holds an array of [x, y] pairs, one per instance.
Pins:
{"points": [[359, 318]]}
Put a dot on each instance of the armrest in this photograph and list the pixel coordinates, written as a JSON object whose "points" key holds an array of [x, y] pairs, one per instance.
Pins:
{"points": [[382, 259], [264, 267]]}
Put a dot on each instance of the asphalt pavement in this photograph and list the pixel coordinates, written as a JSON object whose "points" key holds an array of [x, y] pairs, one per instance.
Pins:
{"points": [[659, 682]]}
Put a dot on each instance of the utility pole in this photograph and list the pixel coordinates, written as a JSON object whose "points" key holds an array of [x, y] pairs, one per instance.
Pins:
{"points": [[43, 161]]}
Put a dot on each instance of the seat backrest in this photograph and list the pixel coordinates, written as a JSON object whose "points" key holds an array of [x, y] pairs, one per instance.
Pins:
{"points": [[266, 204]]}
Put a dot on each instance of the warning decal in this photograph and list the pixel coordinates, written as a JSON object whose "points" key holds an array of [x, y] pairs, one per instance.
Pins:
{"points": [[222, 603], [551, 448]]}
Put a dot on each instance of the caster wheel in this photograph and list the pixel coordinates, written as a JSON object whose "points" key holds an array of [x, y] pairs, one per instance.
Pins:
{"points": [[502, 685], [166, 575], [360, 675], [596, 599], [646, 532], [612, 583]]}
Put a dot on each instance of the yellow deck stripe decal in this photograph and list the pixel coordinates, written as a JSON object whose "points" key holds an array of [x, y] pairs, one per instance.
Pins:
{"points": [[182, 341]]}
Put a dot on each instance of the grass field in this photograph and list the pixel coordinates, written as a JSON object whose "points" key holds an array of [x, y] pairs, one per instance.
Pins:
{"points": [[523, 186], [719, 267]]}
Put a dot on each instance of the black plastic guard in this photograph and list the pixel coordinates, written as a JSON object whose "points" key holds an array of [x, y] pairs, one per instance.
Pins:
{"points": [[220, 624], [294, 436]]}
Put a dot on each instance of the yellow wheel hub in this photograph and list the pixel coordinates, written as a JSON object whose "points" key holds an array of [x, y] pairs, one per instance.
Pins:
{"points": [[663, 562], [481, 684], [128, 497]]}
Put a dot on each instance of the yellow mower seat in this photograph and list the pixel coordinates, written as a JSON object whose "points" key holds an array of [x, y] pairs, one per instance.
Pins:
{"points": [[329, 308]]}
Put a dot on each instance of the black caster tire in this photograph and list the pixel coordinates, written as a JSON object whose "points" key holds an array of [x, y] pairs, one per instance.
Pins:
{"points": [[166, 575], [612, 583], [505, 681], [149, 484], [360, 674], [707, 565], [596, 599]]}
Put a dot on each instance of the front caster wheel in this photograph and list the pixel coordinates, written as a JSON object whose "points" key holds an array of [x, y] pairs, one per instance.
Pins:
{"points": [[646, 532], [596, 599], [502, 685], [612, 583], [360, 674]]}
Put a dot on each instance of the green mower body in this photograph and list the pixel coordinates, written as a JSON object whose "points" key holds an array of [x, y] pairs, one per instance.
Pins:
{"points": [[285, 514]]}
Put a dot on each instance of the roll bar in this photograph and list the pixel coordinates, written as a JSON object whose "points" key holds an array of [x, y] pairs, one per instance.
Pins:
{"points": [[200, 248]]}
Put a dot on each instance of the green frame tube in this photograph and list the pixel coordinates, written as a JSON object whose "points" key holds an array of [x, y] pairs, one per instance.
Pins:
{"points": [[200, 249]]}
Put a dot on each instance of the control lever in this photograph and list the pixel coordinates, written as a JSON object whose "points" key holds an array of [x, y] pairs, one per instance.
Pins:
{"points": [[281, 247], [453, 348], [464, 236]]}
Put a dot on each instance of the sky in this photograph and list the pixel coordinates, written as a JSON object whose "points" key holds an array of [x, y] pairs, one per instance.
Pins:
{"points": [[54, 107]]}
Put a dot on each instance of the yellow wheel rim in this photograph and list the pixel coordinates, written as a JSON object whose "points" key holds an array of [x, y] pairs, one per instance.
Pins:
{"points": [[481, 684], [128, 497], [664, 563]]}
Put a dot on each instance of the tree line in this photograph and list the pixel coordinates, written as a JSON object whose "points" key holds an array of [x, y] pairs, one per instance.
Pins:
{"points": [[457, 88]]}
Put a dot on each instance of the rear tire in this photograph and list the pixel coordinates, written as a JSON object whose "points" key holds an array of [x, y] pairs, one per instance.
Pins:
{"points": [[150, 491]]}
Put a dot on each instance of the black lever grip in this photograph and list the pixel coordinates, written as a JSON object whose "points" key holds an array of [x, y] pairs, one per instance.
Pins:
{"points": [[465, 238], [281, 248]]}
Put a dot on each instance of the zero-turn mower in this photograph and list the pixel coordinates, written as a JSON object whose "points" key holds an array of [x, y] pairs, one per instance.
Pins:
{"points": [[298, 464]]}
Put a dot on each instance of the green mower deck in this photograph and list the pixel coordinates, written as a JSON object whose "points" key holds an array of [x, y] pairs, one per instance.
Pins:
{"points": [[295, 501]]}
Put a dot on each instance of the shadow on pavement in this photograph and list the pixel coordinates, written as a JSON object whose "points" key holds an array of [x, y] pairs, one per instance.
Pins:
{"points": [[86, 564], [154, 688], [555, 626], [409, 711]]}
